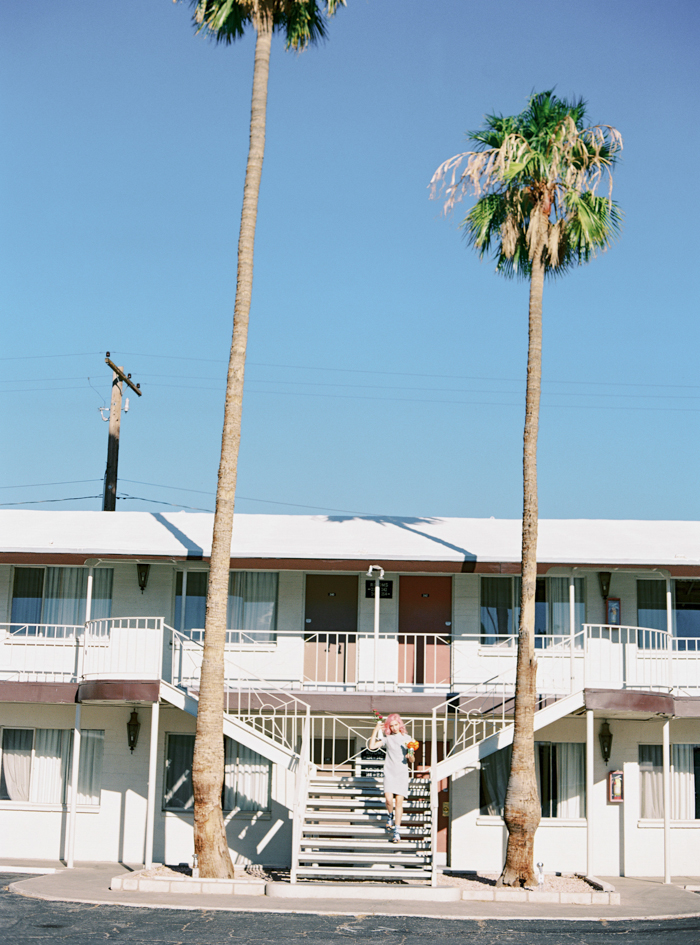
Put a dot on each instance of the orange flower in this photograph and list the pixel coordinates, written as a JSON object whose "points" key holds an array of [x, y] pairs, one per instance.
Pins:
{"points": [[413, 746]]}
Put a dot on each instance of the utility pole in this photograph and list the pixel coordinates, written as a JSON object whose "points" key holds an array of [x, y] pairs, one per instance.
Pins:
{"points": [[109, 500]]}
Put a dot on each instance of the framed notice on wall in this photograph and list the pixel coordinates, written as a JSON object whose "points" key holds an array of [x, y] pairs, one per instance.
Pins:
{"points": [[616, 793], [613, 613]]}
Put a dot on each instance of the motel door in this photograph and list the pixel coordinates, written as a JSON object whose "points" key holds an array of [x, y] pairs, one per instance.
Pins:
{"points": [[330, 628], [425, 628]]}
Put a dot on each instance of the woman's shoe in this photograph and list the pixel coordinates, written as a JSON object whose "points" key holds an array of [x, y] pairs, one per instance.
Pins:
{"points": [[395, 837], [390, 822]]}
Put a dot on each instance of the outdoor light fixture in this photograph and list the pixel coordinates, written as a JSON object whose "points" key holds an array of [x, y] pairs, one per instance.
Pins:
{"points": [[605, 738], [132, 730], [604, 578], [142, 573]]}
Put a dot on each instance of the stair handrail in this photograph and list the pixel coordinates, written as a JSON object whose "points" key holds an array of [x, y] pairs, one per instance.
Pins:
{"points": [[301, 793], [284, 730]]}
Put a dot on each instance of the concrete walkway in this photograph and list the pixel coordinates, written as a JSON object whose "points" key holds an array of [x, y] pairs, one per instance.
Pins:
{"points": [[89, 883]]}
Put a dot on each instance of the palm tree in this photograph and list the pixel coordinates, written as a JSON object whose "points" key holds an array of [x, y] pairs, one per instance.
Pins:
{"points": [[537, 213], [302, 22]]}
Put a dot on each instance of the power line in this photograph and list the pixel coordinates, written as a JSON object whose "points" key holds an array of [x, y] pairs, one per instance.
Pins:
{"points": [[462, 377], [72, 498], [159, 485], [175, 505], [39, 357], [37, 485]]}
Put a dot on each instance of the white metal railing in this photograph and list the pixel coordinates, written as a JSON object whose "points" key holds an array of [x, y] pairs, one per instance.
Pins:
{"points": [[338, 743], [628, 657], [273, 712], [598, 655], [40, 652]]}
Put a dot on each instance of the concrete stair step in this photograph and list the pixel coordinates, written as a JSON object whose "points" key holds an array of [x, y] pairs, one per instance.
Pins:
{"points": [[413, 844], [364, 803], [363, 817], [335, 791], [347, 872], [369, 831], [326, 856]]}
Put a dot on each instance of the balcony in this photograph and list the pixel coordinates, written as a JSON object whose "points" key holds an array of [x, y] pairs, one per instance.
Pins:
{"points": [[146, 648]]}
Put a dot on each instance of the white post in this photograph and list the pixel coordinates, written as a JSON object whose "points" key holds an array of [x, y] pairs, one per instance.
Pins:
{"points": [[667, 799], [669, 628], [88, 599], [82, 644], [590, 781], [377, 573], [572, 630], [376, 634], [151, 798], [434, 800], [73, 809]]}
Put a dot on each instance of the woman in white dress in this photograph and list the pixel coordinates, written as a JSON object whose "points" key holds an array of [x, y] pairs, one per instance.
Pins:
{"points": [[391, 734]]}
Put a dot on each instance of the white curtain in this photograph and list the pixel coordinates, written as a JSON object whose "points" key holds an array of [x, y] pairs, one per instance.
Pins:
{"points": [[102, 593], [90, 774], [558, 600], [651, 782], [65, 592], [228, 800], [252, 604], [683, 782], [495, 770], [178, 794], [16, 764], [252, 780], [571, 780], [51, 757], [246, 778]]}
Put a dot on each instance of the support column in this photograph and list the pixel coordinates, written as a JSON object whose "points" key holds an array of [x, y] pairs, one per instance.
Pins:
{"points": [[669, 628], [590, 780], [75, 774], [572, 631], [151, 797], [667, 799]]}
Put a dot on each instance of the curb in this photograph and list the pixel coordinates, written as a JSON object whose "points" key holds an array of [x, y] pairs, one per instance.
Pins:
{"points": [[354, 913]]}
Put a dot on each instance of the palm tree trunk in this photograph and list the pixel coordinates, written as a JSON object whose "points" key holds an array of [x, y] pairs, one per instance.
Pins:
{"points": [[522, 807], [210, 841]]}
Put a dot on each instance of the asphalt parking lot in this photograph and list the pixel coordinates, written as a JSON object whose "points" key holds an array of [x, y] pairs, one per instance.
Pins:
{"points": [[24, 920]]}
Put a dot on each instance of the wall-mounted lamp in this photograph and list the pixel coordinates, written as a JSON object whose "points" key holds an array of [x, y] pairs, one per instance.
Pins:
{"points": [[132, 730], [142, 573], [605, 738], [604, 578]]}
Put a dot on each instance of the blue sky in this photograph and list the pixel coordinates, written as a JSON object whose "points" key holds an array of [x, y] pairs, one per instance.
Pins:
{"points": [[386, 364]]}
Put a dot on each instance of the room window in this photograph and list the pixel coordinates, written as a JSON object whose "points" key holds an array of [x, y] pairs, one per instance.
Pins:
{"points": [[500, 609], [246, 776], [651, 604], [58, 597], [685, 782], [252, 605], [560, 768], [35, 765], [687, 613]]}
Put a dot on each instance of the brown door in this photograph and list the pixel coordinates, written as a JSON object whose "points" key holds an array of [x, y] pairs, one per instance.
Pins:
{"points": [[425, 627], [330, 628]]}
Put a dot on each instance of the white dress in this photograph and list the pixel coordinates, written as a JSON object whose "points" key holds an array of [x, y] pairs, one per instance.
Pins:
{"points": [[395, 763]]}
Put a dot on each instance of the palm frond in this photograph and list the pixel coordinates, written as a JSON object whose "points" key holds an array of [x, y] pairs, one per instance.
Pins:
{"points": [[303, 22], [539, 172]]}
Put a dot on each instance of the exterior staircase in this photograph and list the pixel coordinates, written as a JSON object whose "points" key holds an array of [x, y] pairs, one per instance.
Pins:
{"points": [[343, 833]]}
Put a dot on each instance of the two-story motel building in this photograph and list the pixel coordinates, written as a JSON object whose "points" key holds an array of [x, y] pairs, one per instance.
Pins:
{"points": [[103, 617]]}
